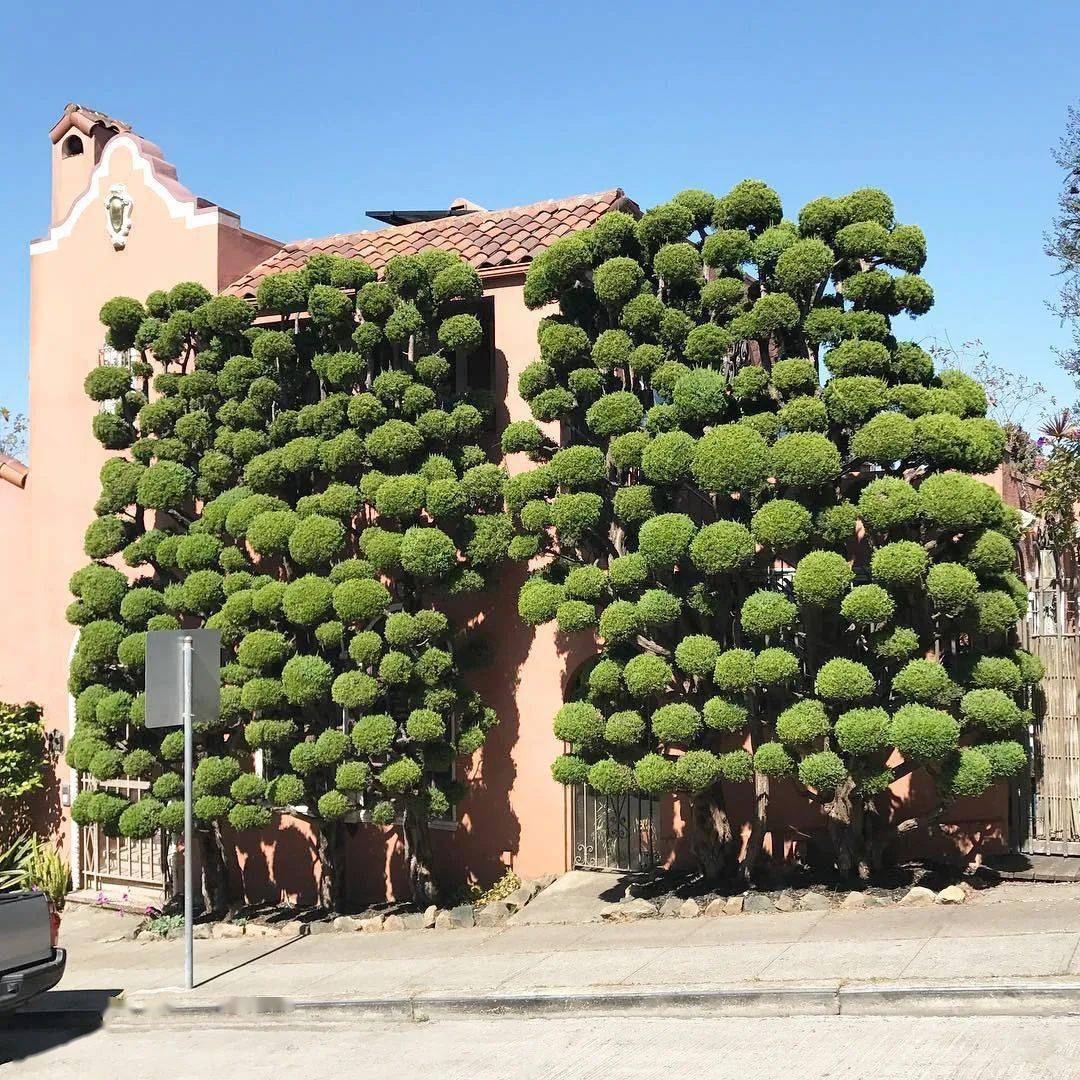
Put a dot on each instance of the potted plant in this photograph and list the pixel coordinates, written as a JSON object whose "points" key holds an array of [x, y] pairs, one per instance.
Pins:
{"points": [[47, 871]]}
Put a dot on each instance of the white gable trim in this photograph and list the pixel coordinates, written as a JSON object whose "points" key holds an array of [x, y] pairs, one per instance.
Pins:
{"points": [[192, 217]]}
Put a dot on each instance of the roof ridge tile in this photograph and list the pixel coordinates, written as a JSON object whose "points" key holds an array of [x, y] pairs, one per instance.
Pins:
{"points": [[487, 239]]}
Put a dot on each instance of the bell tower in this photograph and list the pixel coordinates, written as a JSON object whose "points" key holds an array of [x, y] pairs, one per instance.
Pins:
{"points": [[78, 141]]}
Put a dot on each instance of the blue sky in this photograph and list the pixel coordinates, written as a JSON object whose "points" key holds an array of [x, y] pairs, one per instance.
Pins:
{"points": [[301, 117]]}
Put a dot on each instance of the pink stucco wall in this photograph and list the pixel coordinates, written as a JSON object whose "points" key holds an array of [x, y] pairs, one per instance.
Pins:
{"points": [[74, 269], [514, 814]]}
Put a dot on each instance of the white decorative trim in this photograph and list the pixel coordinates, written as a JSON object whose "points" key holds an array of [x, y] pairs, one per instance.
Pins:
{"points": [[192, 217], [73, 784]]}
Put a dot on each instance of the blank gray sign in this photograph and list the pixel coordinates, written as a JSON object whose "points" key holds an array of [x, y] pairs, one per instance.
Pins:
{"points": [[165, 677]]}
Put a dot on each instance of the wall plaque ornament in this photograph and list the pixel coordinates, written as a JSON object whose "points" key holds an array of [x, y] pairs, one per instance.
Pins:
{"points": [[118, 206]]}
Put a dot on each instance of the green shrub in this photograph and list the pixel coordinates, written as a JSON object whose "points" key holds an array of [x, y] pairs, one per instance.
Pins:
{"points": [[734, 670], [990, 553], [658, 607], [373, 735], [844, 680], [610, 777], [358, 600], [772, 666], [766, 614], [965, 774], [951, 588], [902, 564], [862, 732], [823, 771], [655, 774], [624, 728], [579, 723], [306, 680], [993, 710], [697, 770], [867, 605], [1006, 758], [884, 439], [665, 539], [772, 760], [570, 770], [821, 578], [802, 723], [678, 722], [666, 459], [924, 734], [781, 523], [804, 459], [889, 504], [955, 501], [646, 675], [994, 612], [140, 820], [794, 376], [697, 655], [996, 673], [732, 458], [722, 547], [926, 681]]}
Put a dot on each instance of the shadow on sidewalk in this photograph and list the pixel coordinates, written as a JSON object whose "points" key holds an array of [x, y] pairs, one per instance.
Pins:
{"points": [[51, 1020], [245, 963]]}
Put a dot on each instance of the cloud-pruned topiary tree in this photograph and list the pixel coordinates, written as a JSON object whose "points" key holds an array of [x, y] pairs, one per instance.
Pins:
{"points": [[790, 580], [306, 478]]}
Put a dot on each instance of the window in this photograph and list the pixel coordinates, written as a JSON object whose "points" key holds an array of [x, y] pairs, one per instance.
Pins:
{"points": [[73, 146], [477, 371]]}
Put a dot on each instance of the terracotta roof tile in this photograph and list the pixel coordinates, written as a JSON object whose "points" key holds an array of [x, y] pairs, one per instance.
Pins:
{"points": [[486, 239], [13, 471]]}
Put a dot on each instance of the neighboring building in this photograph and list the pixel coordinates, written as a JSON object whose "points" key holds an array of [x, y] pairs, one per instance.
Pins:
{"points": [[122, 223]]}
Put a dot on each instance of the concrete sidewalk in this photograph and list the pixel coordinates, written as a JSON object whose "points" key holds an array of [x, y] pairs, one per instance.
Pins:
{"points": [[1036, 936]]}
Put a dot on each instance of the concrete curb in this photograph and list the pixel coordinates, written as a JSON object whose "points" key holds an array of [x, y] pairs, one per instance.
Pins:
{"points": [[1033, 997]]}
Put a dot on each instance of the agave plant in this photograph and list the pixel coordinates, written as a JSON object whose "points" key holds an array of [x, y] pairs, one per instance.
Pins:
{"points": [[14, 860], [47, 871]]}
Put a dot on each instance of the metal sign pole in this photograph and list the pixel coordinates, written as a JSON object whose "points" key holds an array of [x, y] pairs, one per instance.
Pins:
{"points": [[183, 684], [189, 831]]}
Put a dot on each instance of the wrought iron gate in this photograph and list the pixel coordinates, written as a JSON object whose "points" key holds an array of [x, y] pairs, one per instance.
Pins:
{"points": [[613, 832], [116, 860]]}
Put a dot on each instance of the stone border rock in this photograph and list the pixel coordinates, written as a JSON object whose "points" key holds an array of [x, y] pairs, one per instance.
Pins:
{"points": [[632, 907], [455, 918]]}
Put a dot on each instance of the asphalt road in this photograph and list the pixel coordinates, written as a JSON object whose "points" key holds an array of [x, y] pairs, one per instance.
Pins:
{"points": [[594, 1048]]}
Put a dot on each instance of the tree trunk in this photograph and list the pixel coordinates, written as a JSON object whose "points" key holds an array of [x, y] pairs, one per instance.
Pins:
{"points": [[215, 877], [845, 814], [712, 841], [331, 855], [417, 834], [755, 843]]}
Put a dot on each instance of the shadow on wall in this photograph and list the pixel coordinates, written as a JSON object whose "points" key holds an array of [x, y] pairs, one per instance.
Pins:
{"points": [[276, 865], [45, 813], [280, 864], [488, 823]]}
